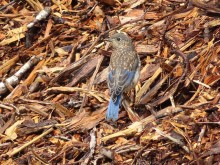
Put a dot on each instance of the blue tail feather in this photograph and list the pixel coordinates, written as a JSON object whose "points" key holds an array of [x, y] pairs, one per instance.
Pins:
{"points": [[113, 109]]}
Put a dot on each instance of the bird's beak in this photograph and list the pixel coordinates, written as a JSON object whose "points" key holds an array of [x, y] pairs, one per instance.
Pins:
{"points": [[108, 39]]}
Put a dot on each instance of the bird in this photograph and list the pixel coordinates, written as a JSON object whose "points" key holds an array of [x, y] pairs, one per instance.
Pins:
{"points": [[123, 73]]}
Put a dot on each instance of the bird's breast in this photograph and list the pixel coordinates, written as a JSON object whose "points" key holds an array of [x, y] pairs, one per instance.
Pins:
{"points": [[123, 59]]}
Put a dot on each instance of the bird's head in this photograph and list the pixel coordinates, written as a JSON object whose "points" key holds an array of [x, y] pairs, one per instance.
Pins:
{"points": [[120, 41]]}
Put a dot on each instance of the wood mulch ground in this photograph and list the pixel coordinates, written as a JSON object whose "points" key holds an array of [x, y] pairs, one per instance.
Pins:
{"points": [[54, 94]]}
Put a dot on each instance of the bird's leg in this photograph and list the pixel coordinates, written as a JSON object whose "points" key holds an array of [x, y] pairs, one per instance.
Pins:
{"points": [[133, 96], [124, 97], [128, 97]]}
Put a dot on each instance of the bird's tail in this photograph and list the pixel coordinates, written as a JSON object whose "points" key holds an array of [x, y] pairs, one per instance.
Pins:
{"points": [[113, 109]]}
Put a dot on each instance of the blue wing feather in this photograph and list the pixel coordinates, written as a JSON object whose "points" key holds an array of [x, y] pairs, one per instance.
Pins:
{"points": [[118, 81]]}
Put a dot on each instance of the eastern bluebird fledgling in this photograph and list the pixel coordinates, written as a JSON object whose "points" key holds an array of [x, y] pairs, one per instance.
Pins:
{"points": [[124, 70]]}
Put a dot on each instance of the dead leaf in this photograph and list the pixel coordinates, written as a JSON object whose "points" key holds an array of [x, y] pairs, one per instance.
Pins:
{"points": [[11, 131]]}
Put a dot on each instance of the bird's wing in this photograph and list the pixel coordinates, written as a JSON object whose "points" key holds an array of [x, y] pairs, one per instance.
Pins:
{"points": [[120, 78]]}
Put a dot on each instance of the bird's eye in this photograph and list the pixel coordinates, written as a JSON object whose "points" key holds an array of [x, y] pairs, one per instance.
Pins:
{"points": [[118, 39]]}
